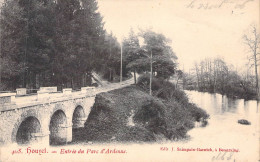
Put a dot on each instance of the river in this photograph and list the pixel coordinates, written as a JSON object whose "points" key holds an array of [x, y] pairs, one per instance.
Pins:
{"points": [[223, 130]]}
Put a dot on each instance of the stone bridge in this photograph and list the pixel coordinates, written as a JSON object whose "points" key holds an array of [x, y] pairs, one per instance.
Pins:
{"points": [[49, 117]]}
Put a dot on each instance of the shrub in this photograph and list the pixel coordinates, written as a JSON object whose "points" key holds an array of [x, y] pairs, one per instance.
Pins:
{"points": [[144, 82], [180, 114], [162, 88]]}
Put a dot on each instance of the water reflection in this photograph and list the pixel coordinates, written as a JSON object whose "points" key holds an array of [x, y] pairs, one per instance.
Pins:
{"points": [[223, 129], [216, 104]]}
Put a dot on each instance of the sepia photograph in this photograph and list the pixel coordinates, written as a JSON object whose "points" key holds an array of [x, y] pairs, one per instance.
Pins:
{"points": [[129, 80]]}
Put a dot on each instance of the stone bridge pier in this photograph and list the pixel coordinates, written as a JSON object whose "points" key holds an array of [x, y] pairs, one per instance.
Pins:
{"points": [[52, 121]]}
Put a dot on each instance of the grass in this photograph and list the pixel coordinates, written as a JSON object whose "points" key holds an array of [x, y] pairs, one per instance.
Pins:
{"points": [[166, 115]]}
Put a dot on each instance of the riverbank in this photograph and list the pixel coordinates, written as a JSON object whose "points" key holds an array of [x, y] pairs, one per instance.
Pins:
{"points": [[234, 92], [130, 114]]}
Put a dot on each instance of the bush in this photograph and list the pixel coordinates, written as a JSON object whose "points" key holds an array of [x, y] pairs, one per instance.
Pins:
{"points": [[180, 114], [239, 92], [152, 117], [162, 89], [144, 82]]}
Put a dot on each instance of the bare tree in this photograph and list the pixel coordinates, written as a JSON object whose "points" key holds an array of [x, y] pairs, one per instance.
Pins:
{"points": [[252, 41], [198, 75]]}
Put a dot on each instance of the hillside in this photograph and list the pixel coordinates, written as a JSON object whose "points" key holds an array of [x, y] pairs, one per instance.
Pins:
{"points": [[130, 114]]}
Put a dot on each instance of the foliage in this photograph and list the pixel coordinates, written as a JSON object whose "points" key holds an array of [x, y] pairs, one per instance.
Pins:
{"points": [[54, 43], [180, 113], [155, 47], [144, 82], [153, 118], [214, 75], [252, 42], [110, 64]]}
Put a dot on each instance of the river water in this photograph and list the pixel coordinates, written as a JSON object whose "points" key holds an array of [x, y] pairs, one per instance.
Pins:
{"points": [[223, 130]]}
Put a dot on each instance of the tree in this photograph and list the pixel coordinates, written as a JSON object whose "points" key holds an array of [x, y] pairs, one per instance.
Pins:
{"points": [[111, 57], [179, 76], [131, 52], [13, 27], [162, 53], [26, 27], [50, 43], [216, 76], [64, 60], [156, 48], [252, 41], [87, 39]]}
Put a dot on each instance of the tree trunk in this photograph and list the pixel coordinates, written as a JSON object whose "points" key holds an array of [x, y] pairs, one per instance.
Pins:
{"points": [[83, 80], [215, 77], [256, 77], [135, 76], [72, 83], [0, 74], [198, 77], [176, 86], [110, 75], [151, 75]]}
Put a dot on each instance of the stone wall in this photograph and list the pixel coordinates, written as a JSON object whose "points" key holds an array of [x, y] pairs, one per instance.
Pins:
{"points": [[10, 120]]}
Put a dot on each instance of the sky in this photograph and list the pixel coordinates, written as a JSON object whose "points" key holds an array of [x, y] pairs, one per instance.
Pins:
{"points": [[198, 28]]}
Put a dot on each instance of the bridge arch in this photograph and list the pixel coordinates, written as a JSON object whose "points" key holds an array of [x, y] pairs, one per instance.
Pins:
{"points": [[78, 117], [30, 116], [78, 120], [27, 130], [58, 128]]}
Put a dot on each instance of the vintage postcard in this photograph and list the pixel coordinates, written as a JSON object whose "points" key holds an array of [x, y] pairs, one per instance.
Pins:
{"points": [[130, 80]]}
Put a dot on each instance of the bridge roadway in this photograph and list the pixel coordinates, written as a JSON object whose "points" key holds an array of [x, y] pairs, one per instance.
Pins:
{"points": [[47, 118]]}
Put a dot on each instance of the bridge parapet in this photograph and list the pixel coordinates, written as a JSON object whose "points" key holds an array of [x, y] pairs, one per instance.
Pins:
{"points": [[48, 89], [47, 96], [21, 91], [87, 89], [44, 92], [33, 100], [67, 91], [7, 98]]}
